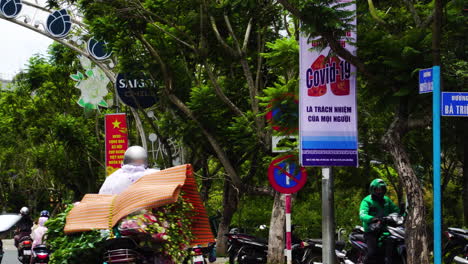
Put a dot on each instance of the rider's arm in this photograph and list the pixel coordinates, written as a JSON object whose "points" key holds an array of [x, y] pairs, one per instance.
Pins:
{"points": [[364, 212]]}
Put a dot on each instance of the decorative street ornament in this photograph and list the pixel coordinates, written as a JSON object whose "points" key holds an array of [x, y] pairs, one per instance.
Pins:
{"points": [[93, 85], [59, 24], [10, 8], [98, 49]]}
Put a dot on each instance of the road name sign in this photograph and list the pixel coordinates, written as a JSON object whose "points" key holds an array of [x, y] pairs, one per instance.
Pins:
{"points": [[425, 81], [455, 104]]}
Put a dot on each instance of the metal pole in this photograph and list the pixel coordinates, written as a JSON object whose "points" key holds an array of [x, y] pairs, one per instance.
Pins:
{"points": [[436, 153], [328, 217], [288, 230]]}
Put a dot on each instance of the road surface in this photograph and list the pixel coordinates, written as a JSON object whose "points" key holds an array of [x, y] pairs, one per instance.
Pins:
{"points": [[11, 255]]}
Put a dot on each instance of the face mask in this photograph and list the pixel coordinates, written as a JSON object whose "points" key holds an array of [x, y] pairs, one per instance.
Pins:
{"points": [[379, 195]]}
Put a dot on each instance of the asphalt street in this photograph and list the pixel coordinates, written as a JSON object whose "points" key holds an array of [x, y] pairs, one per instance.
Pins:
{"points": [[11, 254]]}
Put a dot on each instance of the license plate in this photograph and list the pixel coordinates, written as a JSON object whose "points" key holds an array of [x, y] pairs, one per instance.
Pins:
{"points": [[198, 259], [27, 252]]}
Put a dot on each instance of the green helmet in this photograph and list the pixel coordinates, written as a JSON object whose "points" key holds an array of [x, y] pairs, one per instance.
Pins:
{"points": [[377, 184]]}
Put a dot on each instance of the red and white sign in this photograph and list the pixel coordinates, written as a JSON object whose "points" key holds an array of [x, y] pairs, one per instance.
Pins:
{"points": [[116, 141], [285, 175]]}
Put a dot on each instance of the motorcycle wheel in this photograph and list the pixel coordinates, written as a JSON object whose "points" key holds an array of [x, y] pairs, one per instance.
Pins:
{"points": [[232, 259], [26, 260], [313, 259]]}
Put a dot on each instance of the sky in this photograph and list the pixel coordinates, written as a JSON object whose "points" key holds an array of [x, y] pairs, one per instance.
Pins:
{"points": [[18, 44]]}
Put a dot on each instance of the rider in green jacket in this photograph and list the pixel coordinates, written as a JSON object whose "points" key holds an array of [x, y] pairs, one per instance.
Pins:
{"points": [[374, 207]]}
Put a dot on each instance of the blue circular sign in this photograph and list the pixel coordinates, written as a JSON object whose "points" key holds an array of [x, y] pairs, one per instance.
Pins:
{"points": [[136, 91], [10, 8], [59, 24], [98, 49]]}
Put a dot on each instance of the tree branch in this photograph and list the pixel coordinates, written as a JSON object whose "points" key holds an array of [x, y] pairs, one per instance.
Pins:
{"points": [[220, 39], [223, 158], [247, 35], [219, 92]]}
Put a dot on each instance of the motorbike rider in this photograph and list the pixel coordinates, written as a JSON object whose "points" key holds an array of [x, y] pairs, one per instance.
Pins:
{"points": [[38, 233], [134, 166], [24, 225], [373, 209]]}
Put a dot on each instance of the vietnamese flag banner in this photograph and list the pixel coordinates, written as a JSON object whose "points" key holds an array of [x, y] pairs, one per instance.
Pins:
{"points": [[116, 141], [327, 102]]}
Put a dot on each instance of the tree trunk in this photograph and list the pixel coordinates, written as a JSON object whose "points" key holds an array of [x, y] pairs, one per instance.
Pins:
{"points": [[276, 238], [465, 180], [416, 235], [230, 201]]}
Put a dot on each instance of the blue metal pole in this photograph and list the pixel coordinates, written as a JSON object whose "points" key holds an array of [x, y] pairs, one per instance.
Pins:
{"points": [[436, 153]]}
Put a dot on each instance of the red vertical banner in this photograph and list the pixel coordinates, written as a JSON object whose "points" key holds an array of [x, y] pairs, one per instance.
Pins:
{"points": [[116, 141]]}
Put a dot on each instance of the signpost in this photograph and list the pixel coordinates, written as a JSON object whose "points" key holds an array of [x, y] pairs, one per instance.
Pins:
{"points": [[286, 176], [425, 81], [116, 141], [436, 166]]}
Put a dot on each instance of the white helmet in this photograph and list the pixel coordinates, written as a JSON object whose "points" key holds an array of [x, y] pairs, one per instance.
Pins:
{"points": [[135, 153], [24, 211]]}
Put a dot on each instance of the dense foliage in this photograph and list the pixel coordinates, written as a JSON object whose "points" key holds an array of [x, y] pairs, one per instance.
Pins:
{"points": [[85, 247]]}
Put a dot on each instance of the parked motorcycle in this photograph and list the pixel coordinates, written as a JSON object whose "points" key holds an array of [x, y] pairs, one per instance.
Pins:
{"points": [[394, 232], [248, 249], [24, 249], [237, 240], [310, 251], [41, 254], [201, 255], [456, 248]]}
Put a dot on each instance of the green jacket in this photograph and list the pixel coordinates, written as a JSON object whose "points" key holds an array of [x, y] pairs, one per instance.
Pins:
{"points": [[370, 208]]}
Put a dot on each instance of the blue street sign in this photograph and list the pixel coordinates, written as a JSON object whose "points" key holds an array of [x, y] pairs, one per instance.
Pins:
{"points": [[425, 81], [454, 104]]}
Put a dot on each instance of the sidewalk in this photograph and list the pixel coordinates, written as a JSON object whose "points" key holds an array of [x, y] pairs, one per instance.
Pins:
{"points": [[221, 261]]}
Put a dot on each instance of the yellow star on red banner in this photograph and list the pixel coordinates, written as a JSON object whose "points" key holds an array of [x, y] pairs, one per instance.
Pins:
{"points": [[116, 123]]}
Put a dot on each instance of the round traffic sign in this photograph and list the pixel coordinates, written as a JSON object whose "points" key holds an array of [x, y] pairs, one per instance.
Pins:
{"points": [[285, 175], [283, 108]]}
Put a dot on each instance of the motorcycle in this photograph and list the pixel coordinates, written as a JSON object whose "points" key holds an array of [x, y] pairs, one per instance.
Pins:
{"points": [[199, 254], [310, 251], [7, 221], [237, 240], [248, 249], [24, 249], [127, 250], [1, 251], [393, 233], [41, 254], [456, 248]]}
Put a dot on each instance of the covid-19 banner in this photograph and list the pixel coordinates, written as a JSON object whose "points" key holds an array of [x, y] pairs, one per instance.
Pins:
{"points": [[327, 104], [116, 141]]}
